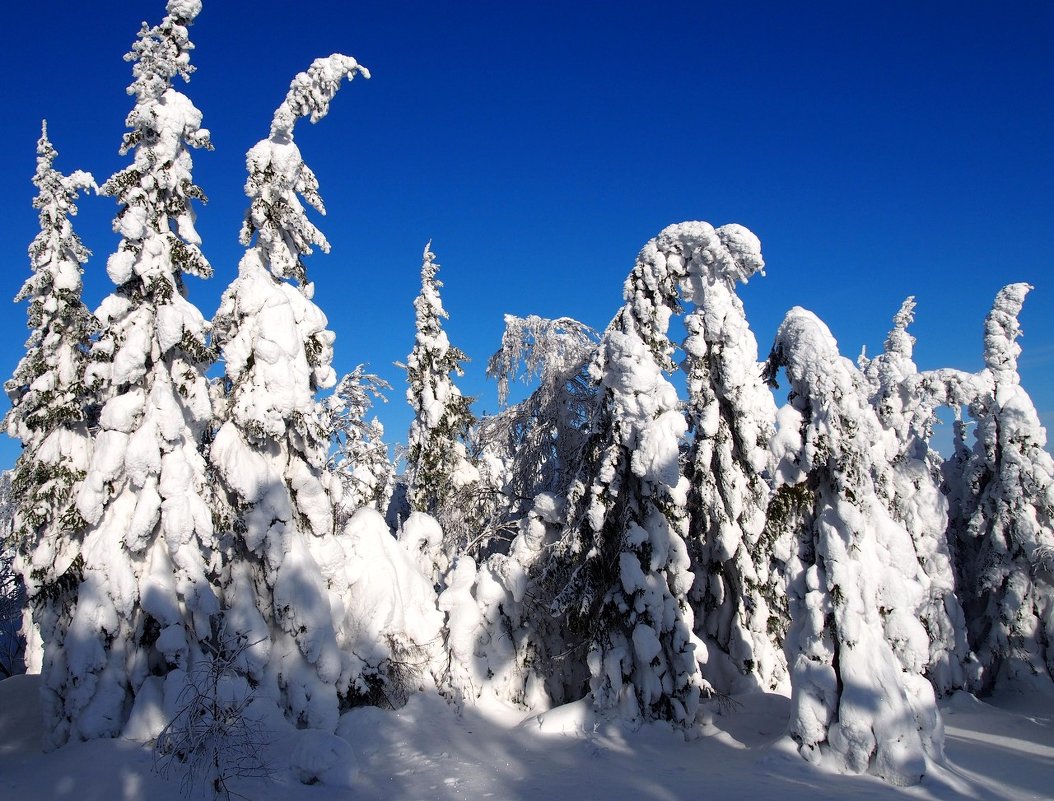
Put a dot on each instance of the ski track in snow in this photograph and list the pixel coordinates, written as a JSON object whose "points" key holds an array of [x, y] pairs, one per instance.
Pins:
{"points": [[1003, 749]]}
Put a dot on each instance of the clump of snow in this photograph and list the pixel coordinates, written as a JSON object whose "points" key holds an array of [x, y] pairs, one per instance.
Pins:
{"points": [[319, 757]]}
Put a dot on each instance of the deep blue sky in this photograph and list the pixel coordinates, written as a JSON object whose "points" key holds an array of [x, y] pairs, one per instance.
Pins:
{"points": [[877, 149]]}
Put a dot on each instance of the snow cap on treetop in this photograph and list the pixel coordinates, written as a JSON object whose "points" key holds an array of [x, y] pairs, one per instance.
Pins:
{"points": [[1001, 330], [899, 340], [310, 92], [730, 253], [163, 52], [183, 10]]}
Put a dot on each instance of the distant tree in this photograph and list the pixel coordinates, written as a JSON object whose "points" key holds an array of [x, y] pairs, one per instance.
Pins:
{"points": [[499, 639], [48, 408], [148, 599], [540, 439], [270, 452], [359, 457], [856, 649], [731, 415], [439, 474], [1006, 543]]}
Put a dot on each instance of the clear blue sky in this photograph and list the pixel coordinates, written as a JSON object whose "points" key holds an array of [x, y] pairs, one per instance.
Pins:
{"points": [[877, 149]]}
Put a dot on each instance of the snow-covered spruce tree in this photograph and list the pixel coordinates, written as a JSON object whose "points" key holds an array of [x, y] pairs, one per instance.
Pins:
{"points": [[855, 647], [731, 416], [147, 600], [1006, 545], [619, 573], [439, 475], [359, 457], [270, 451], [48, 414], [906, 401]]}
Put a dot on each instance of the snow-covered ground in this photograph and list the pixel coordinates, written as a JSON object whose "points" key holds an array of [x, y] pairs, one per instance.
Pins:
{"points": [[999, 749]]}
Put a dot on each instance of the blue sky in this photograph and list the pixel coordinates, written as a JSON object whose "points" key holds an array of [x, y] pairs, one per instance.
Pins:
{"points": [[878, 150]]}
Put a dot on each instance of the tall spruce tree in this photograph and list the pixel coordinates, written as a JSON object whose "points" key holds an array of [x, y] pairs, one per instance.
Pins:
{"points": [[48, 410], [1006, 540], [855, 648], [439, 474], [148, 600], [271, 450]]}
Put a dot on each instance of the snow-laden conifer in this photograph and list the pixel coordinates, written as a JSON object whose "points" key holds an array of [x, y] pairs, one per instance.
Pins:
{"points": [[439, 474], [148, 596], [272, 447], [48, 409], [1006, 542], [856, 649], [906, 401], [731, 415], [620, 569], [359, 456]]}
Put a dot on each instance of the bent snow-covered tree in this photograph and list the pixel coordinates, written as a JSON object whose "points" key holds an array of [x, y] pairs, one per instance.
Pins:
{"points": [[1006, 545], [270, 451], [620, 570], [48, 413], [731, 415], [855, 648], [148, 597]]}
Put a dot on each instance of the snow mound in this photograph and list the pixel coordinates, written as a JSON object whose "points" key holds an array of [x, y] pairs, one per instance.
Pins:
{"points": [[322, 758]]}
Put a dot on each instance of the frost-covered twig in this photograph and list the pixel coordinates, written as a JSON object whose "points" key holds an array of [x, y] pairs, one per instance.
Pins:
{"points": [[211, 740]]}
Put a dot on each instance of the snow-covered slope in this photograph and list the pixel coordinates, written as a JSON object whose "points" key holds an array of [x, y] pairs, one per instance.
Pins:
{"points": [[1002, 749]]}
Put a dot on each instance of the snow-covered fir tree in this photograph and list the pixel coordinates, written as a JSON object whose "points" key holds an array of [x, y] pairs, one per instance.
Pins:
{"points": [[620, 569], [731, 416], [271, 449], [48, 410], [1005, 547], [359, 456], [439, 475], [148, 599], [906, 401], [856, 649]]}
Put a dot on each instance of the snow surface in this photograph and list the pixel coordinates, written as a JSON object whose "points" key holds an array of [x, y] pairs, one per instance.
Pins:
{"points": [[999, 749]]}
